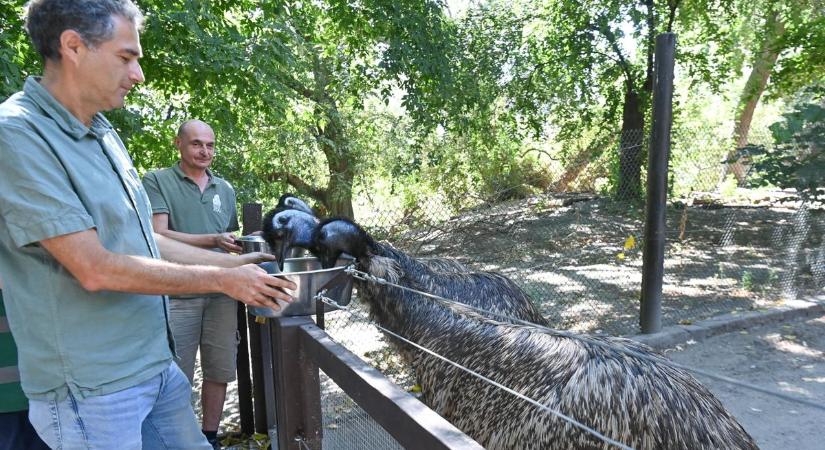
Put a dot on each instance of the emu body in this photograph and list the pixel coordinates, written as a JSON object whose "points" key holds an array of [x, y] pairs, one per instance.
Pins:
{"points": [[644, 404]]}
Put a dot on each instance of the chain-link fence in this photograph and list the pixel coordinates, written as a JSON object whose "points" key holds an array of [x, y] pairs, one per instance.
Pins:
{"points": [[730, 246]]}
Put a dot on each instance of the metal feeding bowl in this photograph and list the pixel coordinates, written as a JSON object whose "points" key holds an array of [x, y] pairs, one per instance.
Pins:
{"points": [[310, 279]]}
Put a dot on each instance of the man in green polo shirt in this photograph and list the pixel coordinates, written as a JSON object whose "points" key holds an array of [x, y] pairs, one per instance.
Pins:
{"points": [[192, 205], [84, 283]]}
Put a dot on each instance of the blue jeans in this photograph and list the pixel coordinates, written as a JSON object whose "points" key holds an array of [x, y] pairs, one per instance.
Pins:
{"points": [[155, 414]]}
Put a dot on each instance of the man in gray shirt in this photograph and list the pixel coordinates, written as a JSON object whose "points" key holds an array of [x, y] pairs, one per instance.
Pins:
{"points": [[84, 281], [192, 205]]}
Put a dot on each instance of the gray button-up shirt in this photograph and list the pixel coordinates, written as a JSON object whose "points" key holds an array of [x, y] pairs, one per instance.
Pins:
{"points": [[58, 176]]}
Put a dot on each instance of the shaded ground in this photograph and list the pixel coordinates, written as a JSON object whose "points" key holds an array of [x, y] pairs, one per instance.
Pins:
{"points": [[786, 357], [581, 260]]}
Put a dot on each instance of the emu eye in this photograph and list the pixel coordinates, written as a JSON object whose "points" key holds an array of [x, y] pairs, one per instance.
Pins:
{"points": [[283, 220]]}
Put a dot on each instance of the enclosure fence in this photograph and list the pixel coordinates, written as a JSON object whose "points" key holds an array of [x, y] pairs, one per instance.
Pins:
{"points": [[731, 245]]}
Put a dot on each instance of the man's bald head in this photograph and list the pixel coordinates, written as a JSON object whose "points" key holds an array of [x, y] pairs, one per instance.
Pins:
{"points": [[185, 127], [196, 143]]}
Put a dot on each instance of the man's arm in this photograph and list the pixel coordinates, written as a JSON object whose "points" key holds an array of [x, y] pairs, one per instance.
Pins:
{"points": [[178, 252], [226, 241], [98, 269]]}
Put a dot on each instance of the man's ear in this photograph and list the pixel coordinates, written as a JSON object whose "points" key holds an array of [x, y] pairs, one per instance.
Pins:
{"points": [[72, 46]]}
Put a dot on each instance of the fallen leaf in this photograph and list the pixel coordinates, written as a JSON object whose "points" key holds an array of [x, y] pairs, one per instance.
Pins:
{"points": [[629, 243]]}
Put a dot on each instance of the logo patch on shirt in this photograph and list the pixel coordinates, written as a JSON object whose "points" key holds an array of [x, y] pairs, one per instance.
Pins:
{"points": [[216, 203]]}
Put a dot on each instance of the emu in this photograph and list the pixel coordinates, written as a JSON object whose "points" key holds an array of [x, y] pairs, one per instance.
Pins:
{"points": [[643, 403], [276, 234], [489, 291]]}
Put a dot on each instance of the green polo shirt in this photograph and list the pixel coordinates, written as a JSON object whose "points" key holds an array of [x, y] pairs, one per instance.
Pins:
{"points": [[191, 211], [57, 177]]}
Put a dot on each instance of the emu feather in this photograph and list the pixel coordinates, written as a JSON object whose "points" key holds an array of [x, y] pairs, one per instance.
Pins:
{"points": [[644, 404]]}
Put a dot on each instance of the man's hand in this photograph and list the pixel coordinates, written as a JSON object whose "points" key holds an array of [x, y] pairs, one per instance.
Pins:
{"points": [[256, 257], [251, 285], [226, 241]]}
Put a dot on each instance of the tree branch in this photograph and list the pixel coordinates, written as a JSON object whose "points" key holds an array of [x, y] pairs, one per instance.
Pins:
{"points": [[671, 16], [614, 44], [651, 45], [300, 89], [298, 183]]}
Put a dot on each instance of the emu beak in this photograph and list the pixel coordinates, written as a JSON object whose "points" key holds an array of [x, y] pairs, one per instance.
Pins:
{"points": [[327, 260], [284, 248], [277, 250]]}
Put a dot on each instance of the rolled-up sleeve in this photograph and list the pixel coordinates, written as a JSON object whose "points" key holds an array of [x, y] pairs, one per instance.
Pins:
{"points": [[150, 184], [37, 199]]}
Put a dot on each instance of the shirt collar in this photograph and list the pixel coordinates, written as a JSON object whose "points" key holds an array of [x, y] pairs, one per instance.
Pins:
{"points": [[176, 168], [70, 124]]}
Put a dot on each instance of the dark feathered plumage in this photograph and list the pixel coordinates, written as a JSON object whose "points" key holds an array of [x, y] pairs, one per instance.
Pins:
{"points": [[289, 225], [644, 404]]}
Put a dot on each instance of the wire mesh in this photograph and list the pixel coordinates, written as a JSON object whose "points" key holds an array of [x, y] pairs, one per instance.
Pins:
{"points": [[346, 425], [731, 245]]}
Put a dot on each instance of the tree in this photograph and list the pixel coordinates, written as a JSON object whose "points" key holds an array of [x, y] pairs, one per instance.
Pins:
{"points": [[590, 65], [295, 73], [793, 30], [17, 60]]}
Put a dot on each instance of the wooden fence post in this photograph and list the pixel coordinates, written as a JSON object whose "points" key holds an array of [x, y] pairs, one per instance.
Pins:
{"points": [[251, 419]]}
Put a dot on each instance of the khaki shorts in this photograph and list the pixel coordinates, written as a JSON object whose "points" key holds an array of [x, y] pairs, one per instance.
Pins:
{"points": [[210, 323]]}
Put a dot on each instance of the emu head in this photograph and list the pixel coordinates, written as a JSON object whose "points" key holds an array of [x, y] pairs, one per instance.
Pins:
{"points": [[289, 229], [336, 236], [290, 201], [286, 202]]}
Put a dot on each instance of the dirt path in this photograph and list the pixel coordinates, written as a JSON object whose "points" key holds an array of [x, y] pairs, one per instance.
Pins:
{"points": [[787, 357]]}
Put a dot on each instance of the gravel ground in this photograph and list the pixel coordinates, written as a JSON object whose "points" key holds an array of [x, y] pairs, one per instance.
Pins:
{"points": [[784, 357]]}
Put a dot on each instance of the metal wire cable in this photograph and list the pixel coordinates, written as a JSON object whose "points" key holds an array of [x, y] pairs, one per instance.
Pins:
{"points": [[574, 422], [655, 359]]}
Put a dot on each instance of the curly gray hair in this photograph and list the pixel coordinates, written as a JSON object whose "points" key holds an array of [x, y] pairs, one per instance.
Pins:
{"points": [[46, 20]]}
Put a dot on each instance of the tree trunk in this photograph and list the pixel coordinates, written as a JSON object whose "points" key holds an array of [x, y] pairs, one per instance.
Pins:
{"points": [[631, 147], [337, 197], [331, 137], [763, 64]]}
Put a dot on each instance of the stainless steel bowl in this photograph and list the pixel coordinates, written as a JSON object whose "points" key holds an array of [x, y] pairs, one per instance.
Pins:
{"points": [[310, 278], [253, 244]]}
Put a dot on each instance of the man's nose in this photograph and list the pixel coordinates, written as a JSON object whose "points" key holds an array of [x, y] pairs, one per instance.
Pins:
{"points": [[136, 73]]}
